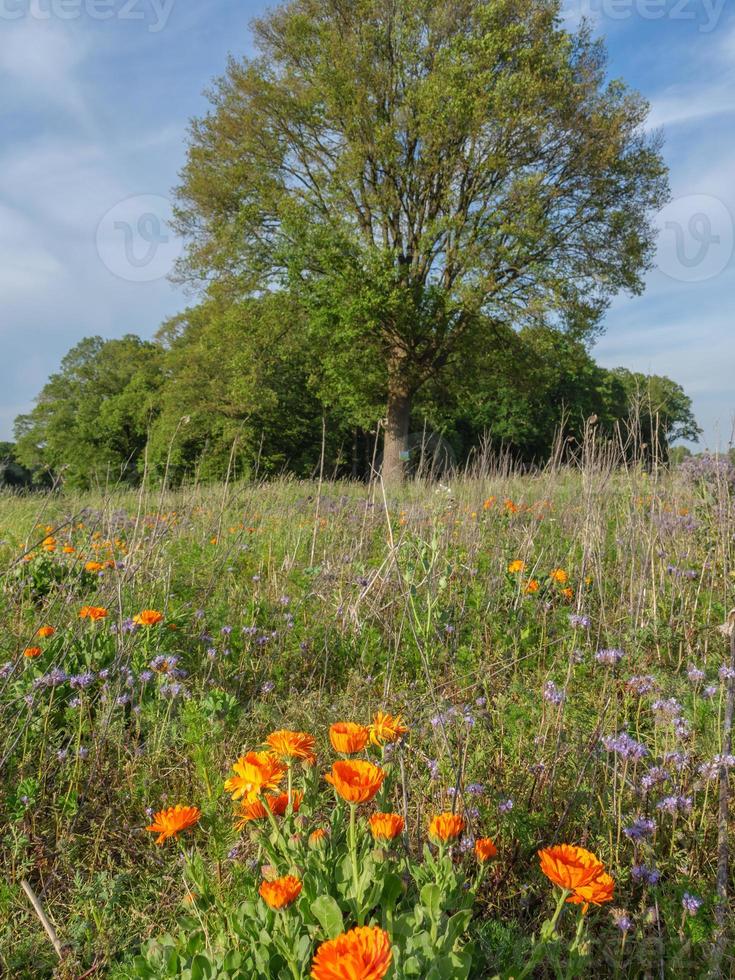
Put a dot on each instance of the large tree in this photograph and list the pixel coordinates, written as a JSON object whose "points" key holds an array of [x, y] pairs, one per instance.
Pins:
{"points": [[416, 173]]}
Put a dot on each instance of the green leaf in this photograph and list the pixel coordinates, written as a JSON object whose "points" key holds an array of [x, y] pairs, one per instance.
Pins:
{"points": [[431, 898], [328, 914]]}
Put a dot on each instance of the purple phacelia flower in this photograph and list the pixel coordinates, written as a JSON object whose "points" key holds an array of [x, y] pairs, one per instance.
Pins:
{"points": [[670, 707], [80, 681], [624, 746], [640, 829], [695, 674], [641, 684], [609, 657], [654, 777], [691, 903], [711, 770], [579, 622], [645, 875], [622, 920], [675, 804], [553, 694], [505, 806]]}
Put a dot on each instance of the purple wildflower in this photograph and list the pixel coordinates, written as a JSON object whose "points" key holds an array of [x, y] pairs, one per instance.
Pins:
{"points": [[609, 657], [640, 829], [691, 903], [625, 746], [553, 694]]}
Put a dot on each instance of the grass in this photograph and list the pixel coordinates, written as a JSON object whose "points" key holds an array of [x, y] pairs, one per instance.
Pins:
{"points": [[296, 605]]}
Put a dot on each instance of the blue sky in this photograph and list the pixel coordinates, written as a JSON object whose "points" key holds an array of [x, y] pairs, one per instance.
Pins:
{"points": [[96, 97]]}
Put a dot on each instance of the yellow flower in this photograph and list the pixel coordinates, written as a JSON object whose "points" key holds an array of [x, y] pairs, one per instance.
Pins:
{"points": [[516, 566], [292, 745], [386, 728], [255, 773]]}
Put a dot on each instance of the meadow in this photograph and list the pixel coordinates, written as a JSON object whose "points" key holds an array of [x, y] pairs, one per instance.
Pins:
{"points": [[542, 659]]}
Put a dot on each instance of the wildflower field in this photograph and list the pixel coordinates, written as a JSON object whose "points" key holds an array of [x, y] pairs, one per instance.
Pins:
{"points": [[323, 730]]}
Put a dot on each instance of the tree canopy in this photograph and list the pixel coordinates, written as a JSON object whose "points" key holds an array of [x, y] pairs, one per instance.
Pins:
{"points": [[418, 174]]}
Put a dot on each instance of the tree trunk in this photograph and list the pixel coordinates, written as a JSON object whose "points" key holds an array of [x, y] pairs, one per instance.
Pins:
{"points": [[395, 445]]}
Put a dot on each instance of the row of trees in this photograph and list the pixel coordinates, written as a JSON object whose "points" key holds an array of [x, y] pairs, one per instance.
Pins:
{"points": [[414, 211], [239, 389]]}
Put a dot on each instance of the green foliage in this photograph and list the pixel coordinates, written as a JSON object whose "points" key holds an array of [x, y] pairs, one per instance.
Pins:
{"points": [[91, 420]]}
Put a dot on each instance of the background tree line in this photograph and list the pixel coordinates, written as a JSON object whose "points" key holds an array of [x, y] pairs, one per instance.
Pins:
{"points": [[238, 388]]}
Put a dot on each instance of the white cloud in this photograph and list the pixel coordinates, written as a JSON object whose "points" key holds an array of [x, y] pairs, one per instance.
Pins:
{"points": [[41, 58]]}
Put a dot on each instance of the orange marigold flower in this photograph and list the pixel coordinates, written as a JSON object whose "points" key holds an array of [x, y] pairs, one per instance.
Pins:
{"points": [[559, 575], [356, 781], [45, 631], [148, 617], [92, 612], [446, 826], [317, 836], [170, 822], [250, 810], [94, 566], [386, 728], [568, 593], [516, 566], [347, 737], [292, 745], [68, 550], [279, 804], [487, 504], [532, 586], [570, 867], [386, 826], [255, 773], [31, 652], [599, 890], [280, 892], [485, 849], [363, 953]]}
